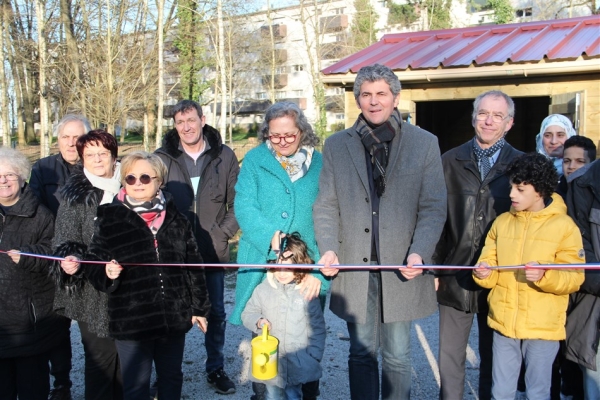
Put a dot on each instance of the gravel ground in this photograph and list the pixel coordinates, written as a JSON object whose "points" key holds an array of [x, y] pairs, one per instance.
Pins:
{"points": [[334, 383]]}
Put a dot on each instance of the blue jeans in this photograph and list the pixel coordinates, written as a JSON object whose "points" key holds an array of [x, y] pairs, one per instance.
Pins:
{"points": [[506, 365], [291, 392], [136, 366], [365, 340], [591, 381], [215, 334]]}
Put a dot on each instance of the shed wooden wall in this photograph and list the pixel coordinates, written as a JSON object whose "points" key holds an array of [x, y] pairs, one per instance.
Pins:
{"points": [[549, 86]]}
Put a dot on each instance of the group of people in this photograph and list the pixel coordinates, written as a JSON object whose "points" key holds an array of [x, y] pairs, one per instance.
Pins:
{"points": [[380, 198], [106, 221]]}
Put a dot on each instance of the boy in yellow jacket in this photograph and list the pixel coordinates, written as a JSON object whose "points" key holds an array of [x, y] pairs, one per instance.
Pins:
{"points": [[528, 306]]}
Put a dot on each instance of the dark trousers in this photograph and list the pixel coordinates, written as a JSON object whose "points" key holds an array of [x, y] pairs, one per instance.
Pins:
{"points": [[25, 377], [102, 370], [310, 390], [214, 340], [455, 326], [60, 356], [136, 366]]}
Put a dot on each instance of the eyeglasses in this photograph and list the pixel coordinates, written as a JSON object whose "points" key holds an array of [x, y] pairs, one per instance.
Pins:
{"points": [[92, 156], [276, 139], [10, 176], [496, 118], [144, 178]]}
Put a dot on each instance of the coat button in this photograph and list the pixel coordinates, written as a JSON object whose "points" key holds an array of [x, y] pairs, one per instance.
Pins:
{"points": [[479, 218], [365, 260], [284, 215], [287, 191], [482, 191], [367, 230]]}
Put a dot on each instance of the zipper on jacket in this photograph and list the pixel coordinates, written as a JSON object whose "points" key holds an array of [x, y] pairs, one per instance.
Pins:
{"points": [[516, 280], [3, 225], [156, 246]]}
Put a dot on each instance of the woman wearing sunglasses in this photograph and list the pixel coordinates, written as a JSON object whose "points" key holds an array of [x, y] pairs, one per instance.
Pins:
{"points": [[150, 308], [276, 188], [93, 182]]}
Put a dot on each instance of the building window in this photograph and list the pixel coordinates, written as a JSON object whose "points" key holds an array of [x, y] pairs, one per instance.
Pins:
{"points": [[338, 11], [297, 93], [280, 70], [524, 12], [334, 91], [298, 67], [340, 117], [261, 95], [280, 94]]}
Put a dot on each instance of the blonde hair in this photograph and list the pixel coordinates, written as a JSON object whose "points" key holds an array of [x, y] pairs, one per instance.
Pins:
{"points": [[159, 167]]}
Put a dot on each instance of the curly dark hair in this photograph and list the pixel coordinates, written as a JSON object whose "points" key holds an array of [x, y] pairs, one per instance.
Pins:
{"points": [[534, 169]]}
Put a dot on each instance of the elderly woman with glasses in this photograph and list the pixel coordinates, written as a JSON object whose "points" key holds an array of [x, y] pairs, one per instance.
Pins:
{"points": [[276, 188], [28, 325], [93, 182], [150, 307]]}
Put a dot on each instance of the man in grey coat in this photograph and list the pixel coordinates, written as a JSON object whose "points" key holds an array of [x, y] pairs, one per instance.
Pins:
{"points": [[380, 166]]}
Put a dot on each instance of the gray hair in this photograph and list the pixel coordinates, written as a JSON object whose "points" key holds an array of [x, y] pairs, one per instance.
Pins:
{"points": [[157, 164], [377, 72], [289, 109], [72, 118], [16, 160], [186, 105], [495, 94]]}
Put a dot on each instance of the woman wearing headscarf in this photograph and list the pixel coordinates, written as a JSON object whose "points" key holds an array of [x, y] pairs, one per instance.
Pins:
{"points": [[276, 188], [92, 183], [27, 322], [150, 308], [555, 130]]}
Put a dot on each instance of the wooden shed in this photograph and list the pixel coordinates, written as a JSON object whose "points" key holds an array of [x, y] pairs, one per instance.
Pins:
{"points": [[547, 67]]}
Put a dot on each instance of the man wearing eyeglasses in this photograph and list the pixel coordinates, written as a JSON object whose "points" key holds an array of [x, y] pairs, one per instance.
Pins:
{"points": [[478, 191], [381, 201], [202, 173], [48, 175]]}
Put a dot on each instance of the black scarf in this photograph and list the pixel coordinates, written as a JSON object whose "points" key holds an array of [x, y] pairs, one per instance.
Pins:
{"points": [[377, 142]]}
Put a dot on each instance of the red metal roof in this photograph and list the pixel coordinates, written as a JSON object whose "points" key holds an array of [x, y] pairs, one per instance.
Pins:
{"points": [[565, 39]]}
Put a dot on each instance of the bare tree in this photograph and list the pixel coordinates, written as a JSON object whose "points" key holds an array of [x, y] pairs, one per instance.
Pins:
{"points": [[4, 102], [40, 11], [161, 80]]}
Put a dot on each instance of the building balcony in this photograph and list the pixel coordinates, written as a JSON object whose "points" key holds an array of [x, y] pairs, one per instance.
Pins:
{"points": [[333, 23], [279, 31], [281, 80]]}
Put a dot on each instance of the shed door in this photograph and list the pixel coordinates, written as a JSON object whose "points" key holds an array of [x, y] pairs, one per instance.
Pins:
{"points": [[571, 106]]}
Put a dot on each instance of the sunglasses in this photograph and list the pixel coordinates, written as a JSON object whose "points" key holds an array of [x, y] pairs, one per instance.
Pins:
{"points": [[145, 179]]}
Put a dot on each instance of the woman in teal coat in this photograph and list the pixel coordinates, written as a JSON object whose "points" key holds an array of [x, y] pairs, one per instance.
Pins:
{"points": [[276, 188]]}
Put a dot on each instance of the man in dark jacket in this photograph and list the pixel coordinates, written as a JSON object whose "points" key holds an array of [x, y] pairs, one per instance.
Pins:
{"points": [[48, 175], [478, 191], [583, 317], [202, 173]]}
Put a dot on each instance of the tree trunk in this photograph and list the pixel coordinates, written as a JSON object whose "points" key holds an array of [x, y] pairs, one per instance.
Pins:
{"points": [[161, 68], [4, 102], [222, 72], [40, 11]]}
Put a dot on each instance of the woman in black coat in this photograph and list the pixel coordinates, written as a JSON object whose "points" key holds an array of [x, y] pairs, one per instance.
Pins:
{"points": [[96, 181], [27, 323], [150, 308]]}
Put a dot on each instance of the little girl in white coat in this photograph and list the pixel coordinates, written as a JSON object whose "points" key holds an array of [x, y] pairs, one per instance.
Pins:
{"points": [[297, 323]]}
